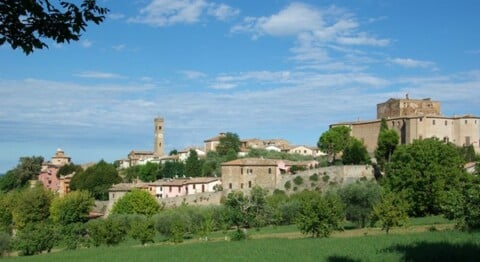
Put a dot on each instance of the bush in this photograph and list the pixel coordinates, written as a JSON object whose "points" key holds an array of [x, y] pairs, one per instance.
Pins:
{"points": [[4, 243], [35, 238], [142, 229], [325, 178], [314, 177], [239, 234], [288, 185], [298, 180], [74, 235], [110, 231]]}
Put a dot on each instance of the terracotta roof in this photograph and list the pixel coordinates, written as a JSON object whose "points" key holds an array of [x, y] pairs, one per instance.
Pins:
{"points": [[126, 186], [251, 162]]}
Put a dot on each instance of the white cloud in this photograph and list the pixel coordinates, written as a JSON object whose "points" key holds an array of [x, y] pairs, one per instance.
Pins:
{"points": [[412, 63], [119, 47], [169, 12], [98, 75], [87, 43], [191, 74], [362, 39], [222, 11]]}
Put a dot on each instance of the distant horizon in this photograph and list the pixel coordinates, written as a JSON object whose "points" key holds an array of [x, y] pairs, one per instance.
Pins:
{"points": [[283, 69]]}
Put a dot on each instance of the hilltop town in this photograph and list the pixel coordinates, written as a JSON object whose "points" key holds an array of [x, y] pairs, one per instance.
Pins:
{"points": [[236, 184]]}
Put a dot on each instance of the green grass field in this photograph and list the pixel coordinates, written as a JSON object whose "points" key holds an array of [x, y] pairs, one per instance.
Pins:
{"points": [[414, 243]]}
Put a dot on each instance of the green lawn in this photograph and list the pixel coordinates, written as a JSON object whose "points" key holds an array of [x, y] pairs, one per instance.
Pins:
{"points": [[424, 246]]}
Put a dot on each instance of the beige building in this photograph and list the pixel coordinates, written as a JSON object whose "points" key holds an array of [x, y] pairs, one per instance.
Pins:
{"points": [[417, 119], [212, 143], [306, 151], [245, 173]]}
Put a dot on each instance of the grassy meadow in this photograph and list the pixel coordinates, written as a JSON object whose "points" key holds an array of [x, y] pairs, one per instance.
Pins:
{"points": [[426, 239]]}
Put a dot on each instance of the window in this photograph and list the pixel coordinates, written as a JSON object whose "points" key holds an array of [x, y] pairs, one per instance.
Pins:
{"points": [[113, 195], [445, 139], [467, 141], [433, 122], [159, 127], [466, 121], [241, 170], [249, 184], [230, 185], [193, 186], [421, 119], [241, 185], [203, 188], [446, 122], [170, 189], [269, 170], [179, 189]]}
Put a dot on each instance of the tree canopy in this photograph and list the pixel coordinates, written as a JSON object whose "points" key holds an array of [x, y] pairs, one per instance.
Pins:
{"points": [[96, 179], [136, 202], [387, 142], [26, 24], [426, 170], [73, 208], [28, 168], [229, 143], [334, 141], [355, 153], [193, 166]]}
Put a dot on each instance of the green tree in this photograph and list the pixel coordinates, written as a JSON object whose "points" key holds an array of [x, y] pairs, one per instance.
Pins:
{"points": [[355, 153], [27, 169], [359, 199], [463, 205], [72, 208], [142, 228], [110, 231], [391, 211], [229, 142], [319, 215], [69, 169], [131, 173], [136, 202], [173, 169], [193, 167], [32, 206], [35, 238], [7, 205], [149, 172], [59, 21], [387, 142], [4, 243], [426, 170], [334, 141], [96, 179]]}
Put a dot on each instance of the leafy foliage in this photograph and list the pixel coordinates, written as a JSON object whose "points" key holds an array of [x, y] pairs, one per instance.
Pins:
{"points": [[63, 21], [463, 206], [149, 172], [4, 243], [7, 204], [72, 208], [334, 141], [359, 199], [173, 169], [96, 179], [35, 238], [69, 169], [229, 142], [27, 169], [391, 211], [387, 142], [32, 206], [193, 166], [355, 153], [142, 228], [298, 180], [136, 202], [426, 170], [319, 215], [110, 231]]}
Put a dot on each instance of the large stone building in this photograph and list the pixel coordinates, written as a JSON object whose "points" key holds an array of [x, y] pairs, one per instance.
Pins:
{"points": [[417, 119], [244, 173], [48, 173]]}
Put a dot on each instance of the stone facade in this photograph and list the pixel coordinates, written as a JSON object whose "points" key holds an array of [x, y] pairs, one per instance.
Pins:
{"points": [[245, 173], [408, 107], [158, 146], [459, 130], [212, 143]]}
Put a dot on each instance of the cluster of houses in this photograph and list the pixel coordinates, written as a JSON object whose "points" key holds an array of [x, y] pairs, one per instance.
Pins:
{"points": [[411, 118]]}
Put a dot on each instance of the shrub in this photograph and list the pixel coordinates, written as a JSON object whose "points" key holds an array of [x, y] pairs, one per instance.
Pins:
{"points": [[288, 185], [314, 177], [4, 243], [34, 238], [325, 178], [239, 234], [298, 180], [110, 231], [142, 229]]}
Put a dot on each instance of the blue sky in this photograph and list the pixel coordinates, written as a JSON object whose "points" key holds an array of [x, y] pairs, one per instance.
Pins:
{"points": [[262, 69]]}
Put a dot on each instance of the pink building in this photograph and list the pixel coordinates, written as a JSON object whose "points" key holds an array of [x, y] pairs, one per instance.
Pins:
{"points": [[48, 173]]}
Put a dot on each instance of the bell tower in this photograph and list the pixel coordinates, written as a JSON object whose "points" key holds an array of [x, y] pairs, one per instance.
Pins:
{"points": [[158, 143]]}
